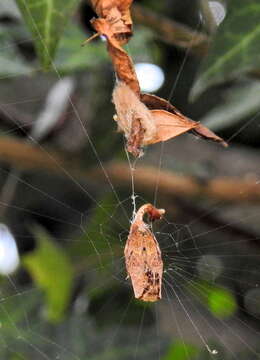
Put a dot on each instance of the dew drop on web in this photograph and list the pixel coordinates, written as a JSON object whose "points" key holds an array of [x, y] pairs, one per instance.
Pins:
{"points": [[212, 351]]}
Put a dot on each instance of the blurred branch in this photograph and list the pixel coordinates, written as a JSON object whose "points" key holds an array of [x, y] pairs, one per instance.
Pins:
{"points": [[25, 156], [171, 31], [231, 189]]}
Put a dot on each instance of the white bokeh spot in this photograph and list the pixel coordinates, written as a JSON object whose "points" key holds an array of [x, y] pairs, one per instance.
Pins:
{"points": [[9, 257], [150, 76], [218, 11]]}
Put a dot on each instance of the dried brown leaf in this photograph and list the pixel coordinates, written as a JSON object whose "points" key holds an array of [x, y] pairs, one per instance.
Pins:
{"points": [[169, 125], [117, 14], [122, 62], [147, 121], [143, 256], [155, 102], [206, 133]]}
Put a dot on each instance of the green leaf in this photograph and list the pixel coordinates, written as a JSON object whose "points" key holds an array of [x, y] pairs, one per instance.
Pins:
{"points": [[181, 351], [236, 47], [52, 271], [46, 20]]}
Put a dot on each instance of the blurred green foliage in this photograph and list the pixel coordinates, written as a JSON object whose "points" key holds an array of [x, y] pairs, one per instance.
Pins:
{"points": [[180, 350], [51, 269], [71, 56], [14, 311], [219, 301], [235, 49], [98, 243], [46, 20]]}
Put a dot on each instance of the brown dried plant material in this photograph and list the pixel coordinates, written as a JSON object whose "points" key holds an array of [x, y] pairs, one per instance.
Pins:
{"points": [[136, 137], [122, 62], [155, 102], [116, 25], [143, 256], [144, 119], [150, 119], [117, 14], [170, 125], [133, 118]]}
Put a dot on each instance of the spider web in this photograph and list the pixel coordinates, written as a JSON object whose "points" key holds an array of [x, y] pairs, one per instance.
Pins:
{"points": [[196, 262]]}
